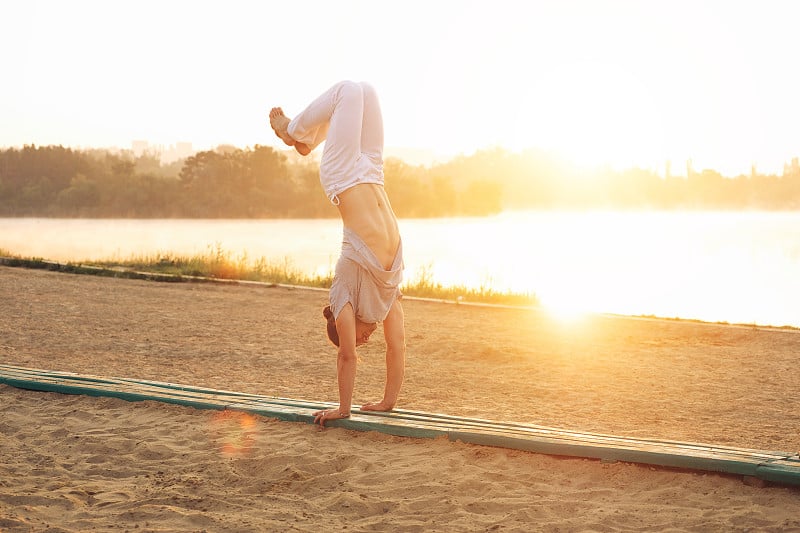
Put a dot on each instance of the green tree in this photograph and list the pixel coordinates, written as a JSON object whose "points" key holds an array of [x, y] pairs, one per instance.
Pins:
{"points": [[80, 198]]}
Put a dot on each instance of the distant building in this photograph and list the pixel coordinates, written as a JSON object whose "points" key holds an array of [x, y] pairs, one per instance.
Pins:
{"points": [[793, 169], [175, 152]]}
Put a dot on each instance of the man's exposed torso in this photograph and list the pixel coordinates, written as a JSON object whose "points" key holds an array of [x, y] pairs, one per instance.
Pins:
{"points": [[366, 210]]}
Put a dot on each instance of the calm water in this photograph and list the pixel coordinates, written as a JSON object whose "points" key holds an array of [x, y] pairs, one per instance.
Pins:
{"points": [[735, 267]]}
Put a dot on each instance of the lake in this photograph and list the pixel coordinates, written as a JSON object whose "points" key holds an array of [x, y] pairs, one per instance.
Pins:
{"points": [[739, 267]]}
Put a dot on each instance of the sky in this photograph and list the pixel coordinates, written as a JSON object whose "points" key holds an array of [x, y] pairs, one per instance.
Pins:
{"points": [[599, 81]]}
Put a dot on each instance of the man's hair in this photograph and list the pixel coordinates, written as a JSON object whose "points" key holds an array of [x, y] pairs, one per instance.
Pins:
{"points": [[333, 334]]}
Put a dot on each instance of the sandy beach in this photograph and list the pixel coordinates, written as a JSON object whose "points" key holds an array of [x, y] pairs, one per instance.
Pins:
{"points": [[75, 463]]}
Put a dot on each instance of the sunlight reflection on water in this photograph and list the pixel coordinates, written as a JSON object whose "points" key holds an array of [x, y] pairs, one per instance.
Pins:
{"points": [[734, 267]]}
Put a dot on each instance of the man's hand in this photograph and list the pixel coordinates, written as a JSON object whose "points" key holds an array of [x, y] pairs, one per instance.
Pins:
{"points": [[380, 406], [329, 414]]}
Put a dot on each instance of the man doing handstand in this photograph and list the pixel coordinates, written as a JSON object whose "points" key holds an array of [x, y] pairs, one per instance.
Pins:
{"points": [[365, 287]]}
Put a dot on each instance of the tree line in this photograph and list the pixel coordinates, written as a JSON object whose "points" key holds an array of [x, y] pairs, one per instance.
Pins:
{"points": [[537, 179], [260, 182]]}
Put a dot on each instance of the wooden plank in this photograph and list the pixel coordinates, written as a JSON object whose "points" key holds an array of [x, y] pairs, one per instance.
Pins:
{"points": [[221, 398], [600, 446], [450, 421], [784, 471], [773, 466], [178, 393]]}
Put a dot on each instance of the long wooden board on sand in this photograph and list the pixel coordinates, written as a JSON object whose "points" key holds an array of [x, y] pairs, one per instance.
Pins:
{"points": [[771, 466]]}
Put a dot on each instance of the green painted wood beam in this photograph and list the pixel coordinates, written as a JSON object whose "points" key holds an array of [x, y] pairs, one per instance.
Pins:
{"points": [[772, 466]]}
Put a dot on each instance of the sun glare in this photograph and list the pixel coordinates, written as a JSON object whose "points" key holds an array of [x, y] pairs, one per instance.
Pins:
{"points": [[235, 431], [565, 310]]}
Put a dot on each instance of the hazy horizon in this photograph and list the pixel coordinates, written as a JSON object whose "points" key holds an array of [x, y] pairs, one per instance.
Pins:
{"points": [[601, 82]]}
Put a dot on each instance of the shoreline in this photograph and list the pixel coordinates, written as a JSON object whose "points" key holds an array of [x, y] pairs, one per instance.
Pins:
{"points": [[93, 270]]}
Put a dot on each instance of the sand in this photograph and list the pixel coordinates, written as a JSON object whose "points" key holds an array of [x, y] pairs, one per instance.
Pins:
{"points": [[74, 463]]}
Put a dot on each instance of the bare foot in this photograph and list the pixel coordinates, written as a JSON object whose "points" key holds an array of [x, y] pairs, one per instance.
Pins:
{"points": [[280, 124]]}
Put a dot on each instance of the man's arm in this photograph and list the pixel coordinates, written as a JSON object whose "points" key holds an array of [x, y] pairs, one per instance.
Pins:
{"points": [[346, 363], [394, 331]]}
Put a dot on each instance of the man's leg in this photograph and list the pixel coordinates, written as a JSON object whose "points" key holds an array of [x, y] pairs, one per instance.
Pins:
{"points": [[372, 124], [343, 144], [334, 116]]}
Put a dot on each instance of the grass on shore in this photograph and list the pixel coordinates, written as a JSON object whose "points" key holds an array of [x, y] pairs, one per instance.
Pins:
{"points": [[216, 263]]}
